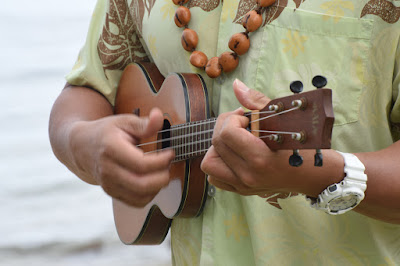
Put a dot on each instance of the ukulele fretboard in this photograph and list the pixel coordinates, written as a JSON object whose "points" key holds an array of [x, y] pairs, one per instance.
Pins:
{"points": [[191, 139]]}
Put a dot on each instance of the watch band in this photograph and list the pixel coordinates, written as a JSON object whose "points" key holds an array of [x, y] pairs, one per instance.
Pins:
{"points": [[354, 170], [346, 195]]}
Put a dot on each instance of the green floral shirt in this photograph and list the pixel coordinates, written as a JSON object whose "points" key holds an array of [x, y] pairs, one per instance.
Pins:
{"points": [[355, 44]]}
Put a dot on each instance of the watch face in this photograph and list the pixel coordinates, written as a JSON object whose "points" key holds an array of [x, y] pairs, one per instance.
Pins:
{"points": [[343, 203]]}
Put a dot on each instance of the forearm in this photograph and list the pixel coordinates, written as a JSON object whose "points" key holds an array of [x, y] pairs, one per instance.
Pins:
{"points": [[382, 197], [74, 106]]}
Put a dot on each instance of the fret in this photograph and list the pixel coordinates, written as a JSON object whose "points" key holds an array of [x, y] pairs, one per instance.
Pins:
{"points": [[187, 141], [180, 142], [192, 139], [198, 137], [184, 142], [202, 145], [172, 142]]}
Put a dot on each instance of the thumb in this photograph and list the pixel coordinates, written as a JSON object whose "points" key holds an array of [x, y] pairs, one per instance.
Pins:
{"points": [[249, 98], [144, 127]]}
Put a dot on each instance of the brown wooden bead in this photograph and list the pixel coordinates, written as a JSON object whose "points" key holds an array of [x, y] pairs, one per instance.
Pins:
{"points": [[182, 16], [228, 61], [239, 43], [252, 21], [198, 59], [265, 3], [189, 39], [180, 2], [213, 69]]}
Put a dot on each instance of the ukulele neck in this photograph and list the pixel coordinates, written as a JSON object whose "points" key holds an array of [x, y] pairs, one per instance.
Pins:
{"points": [[194, 139], [191, 139]]}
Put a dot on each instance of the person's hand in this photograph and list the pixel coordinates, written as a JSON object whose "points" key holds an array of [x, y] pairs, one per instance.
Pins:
{"points": [[238, 161], [106, 150]]}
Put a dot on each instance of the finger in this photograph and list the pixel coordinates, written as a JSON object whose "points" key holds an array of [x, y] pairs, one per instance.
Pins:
{"points": [[149, 184], [146, 163], [140, 190], [133, 159], [213, 165], [132, 199], [228, 187], [239, 166], [118, 180], [219, 184], [240, 141], [154, 123], [142, 127], [249, 98], [220, 174]]}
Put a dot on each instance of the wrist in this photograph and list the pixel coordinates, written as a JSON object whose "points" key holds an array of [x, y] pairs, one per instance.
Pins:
{"points": [[341, 197], [78, 135], [311, 180]]}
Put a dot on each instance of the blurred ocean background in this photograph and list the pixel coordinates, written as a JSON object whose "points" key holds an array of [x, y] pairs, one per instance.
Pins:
{"points": [[47, 215]]}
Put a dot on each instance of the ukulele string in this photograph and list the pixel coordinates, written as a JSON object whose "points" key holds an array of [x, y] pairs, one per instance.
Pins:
{"points": [[207, 122], [195, 123], [190, 124], [175, 138], [182, 157], [275, 114], [205, 141]]}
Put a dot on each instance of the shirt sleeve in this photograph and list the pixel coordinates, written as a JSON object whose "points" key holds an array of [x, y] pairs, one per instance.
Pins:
{"points": [[112, 43], [395, 112]]}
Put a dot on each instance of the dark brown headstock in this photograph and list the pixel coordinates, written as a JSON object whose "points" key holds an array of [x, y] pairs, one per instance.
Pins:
{"points": [[300, 121], [313, 120]]}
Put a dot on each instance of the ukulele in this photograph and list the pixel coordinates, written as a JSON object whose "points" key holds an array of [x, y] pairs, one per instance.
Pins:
{"points": [[300, 121]]}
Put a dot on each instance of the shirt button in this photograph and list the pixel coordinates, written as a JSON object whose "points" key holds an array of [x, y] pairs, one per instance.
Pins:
{"points": [[211, 191]]}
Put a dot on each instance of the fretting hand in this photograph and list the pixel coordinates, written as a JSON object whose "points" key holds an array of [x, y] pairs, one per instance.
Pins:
{"points": [[240, 162]]}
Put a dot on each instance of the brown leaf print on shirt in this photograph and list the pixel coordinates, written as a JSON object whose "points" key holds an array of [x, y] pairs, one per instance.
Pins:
{"points": [[298, 2], [206, 5], [138, 8], [119, 43], [382, 8], [273, 12], [270, 13], [244, 7]]}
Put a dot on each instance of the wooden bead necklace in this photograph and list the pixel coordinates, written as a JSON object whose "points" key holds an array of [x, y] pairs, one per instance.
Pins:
{"points": [[239, 43]]}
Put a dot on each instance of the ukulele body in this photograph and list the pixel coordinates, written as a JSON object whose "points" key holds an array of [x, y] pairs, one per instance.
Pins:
{"points": [[182, 98]]}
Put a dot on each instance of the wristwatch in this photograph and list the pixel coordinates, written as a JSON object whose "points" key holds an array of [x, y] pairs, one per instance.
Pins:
{"points": [[346, 195]]}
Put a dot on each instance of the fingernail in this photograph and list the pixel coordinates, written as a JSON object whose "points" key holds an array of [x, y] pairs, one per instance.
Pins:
{"points": [[240, 85]]}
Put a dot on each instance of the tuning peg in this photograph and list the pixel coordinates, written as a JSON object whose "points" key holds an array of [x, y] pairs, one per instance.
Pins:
{"points": [[319, 81], [318, 158], [296, 86], [295, 159]]}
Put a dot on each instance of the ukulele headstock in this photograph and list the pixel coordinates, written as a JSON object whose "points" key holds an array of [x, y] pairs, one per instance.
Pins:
{"points": [[300, 121]]}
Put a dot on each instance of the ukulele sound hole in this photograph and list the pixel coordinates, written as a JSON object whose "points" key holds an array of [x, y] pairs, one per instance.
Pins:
{"points": [[166, 135]]}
